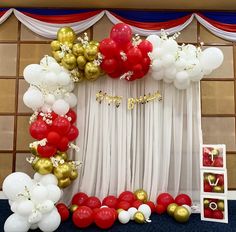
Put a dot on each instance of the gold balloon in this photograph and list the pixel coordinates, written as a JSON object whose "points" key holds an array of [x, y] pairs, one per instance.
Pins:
{"points": [[171, 209], [61, 155], [141, 195], [206, 203], [210, 177], [119, 210], [78, 49], [66, 34], [79, 76], [93, 42], [55, 45], [139, 217], [73, 174], [215, 152], [69, 61], [181, 214], [62, 171], [92, 71], [221, 205], [73, 208], [33, 150], [69, 45], [57, 55], [63, 183], [91, 52], [43, 166], [81, 61], [218, 189]]}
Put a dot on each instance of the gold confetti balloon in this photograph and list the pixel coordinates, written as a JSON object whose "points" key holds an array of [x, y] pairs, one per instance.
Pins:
{"points": [[171, 209], [92, 71], [210, 177], [218, 189], [215, 152], [66, 34], [62, 171], [57, 56], [206, 203], [181, 214], [141, 195], [91, 52], [78, 49], [63, 183], [73, 208], [62, 155], [139, 217], [221, 205], [55, 45], [43, 166], [81, 61]]}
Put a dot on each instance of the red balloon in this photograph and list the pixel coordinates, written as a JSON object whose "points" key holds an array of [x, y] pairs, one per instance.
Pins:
{"points": [[115, 214], [46, 151], [151, 205], [83, 217], [63, 211], [73, 133], [93, 202], [207, 187], [207, 161], [110, 201], [53, 138], [79, 199], [208, 213], [71, 113], [165, 199], [145, 46], [183, 199], [63, 145], [217, 214], [123, 205], [146, 64], [221, 179], [38, 129], [61, 125], [121, 33], [137, 72], [160, 209], [109, 65], [137, 203], [108, 47], [127, 196], [218, 162], [104, 218], [134, 56]]}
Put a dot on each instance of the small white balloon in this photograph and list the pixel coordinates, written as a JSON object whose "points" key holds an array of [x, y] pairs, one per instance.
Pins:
{"points": [[37, 176], [170, 46], [180, 64], [63, 78], [33, 99], [34, 226], [182, 85], [155, 40], [49, 179], [54, 193], [16, 223], [45, 207], [32, 73], [168, 59], [157, 65], [71, 99], [46, 108], [124, 217], [157, 75], [14, 206], [47, 60], [50, 78], [132, 211], [25, 208], [188, 208], [49, 99], [35, 217], [198, 77], [170, 73], [206, 71], [54, 67], [70, 87], [146, 210], [61, 107], [157, 53], [39, 193]]}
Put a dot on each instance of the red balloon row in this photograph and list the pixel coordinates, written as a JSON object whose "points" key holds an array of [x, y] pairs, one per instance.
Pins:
{"points": [[59, 132]]}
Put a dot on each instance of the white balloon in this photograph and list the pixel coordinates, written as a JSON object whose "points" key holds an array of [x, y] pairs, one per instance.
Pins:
{"points": [[71, 99], [24, 208], [16, 223], [54, 67], [180, 63], [132, 211], [198, 77], [37, 176], [47, 60], [157, 53], [170, 46], [63, 78], [70, 86], [54, 193], [49, 99], [61, 107], [157, 75], [170, 73], [168, 59], [15, 183], [39, 194], [50, 78], [33, 99], [49, 179], [146, 210], [182, 85], [195, 69], [46, 108], [14, 206], [182, 76], [206, 71], [155, 40], [45, 207], [35, 217], [34, 226], [50, 222], [188, 208], [157, 65], [124, 217], [32, 73]]}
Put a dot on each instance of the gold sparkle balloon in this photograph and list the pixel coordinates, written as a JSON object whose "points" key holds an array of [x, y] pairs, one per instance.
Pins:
{"points": [[62, 171], [215, 152], [141, 195], [73, 208], [171, 208], [139, 217], [210, 177], [78, 49], [206, 203], [55, 45], [33, 150], [43, 166], [63, 183], [69, 61], [57, 55], [81, 61], [91, 52], [94, 42], [63, 155], [66, 34], [92, 71], [119, 210], [218, 189], [181, 214], [221, 205], [73, 174]]}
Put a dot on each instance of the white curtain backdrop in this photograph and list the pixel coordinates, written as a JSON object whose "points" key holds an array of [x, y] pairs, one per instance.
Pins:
{"points": [[155, 146]]}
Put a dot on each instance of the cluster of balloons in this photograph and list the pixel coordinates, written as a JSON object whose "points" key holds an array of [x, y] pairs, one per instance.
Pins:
{"points": [[181, 64], [213, 182], [77, 56], [32, 202], [122, 57], [50, 87], [212, 158], [213, 208]]}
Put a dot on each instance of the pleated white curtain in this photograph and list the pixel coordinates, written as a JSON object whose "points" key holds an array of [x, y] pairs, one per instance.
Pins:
{"points": [[154, 146]]}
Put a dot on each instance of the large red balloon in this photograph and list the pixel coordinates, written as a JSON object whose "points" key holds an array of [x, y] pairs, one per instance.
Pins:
{"points": [[109, 65], [110, 201], [121, 33], [208, 213], [38, 129], [63, 211], [61, 125], [165, 199], [104, 218], [127, 196], [46, 151], [93, 202], [220, 178], [71, 113], [160, 209], [79, 199], [183, 199], [151, 205], [146, 64], [137, 203], [218, 162], [217, 214], [53, 138], [83, 217], [125, 205], [73, 133], [63, 145], [134, 56], [108, 47], [207, 187], [145, 46]]}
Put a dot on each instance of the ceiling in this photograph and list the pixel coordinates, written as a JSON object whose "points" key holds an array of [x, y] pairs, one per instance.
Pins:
{"points": [[126, 4]]}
